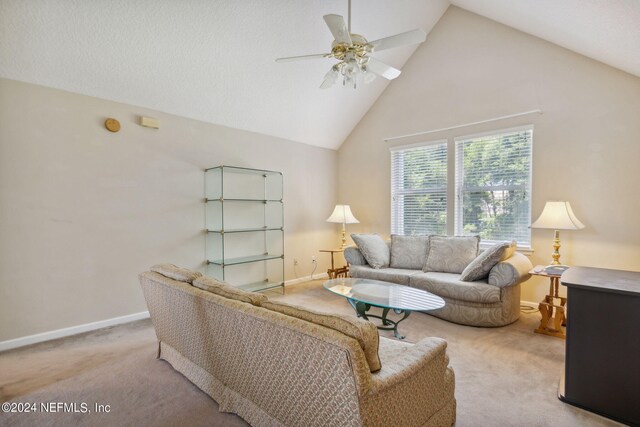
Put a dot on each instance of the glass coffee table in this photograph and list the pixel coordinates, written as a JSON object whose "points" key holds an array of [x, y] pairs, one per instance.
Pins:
{"points": [[363, 294]]}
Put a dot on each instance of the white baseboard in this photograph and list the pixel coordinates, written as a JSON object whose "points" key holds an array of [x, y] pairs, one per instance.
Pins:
{"points": [[306, 279], [530, 304], [73, 330]]}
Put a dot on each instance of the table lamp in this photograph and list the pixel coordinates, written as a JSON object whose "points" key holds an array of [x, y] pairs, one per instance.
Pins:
{"points": [[342, 215], [557, 216]]}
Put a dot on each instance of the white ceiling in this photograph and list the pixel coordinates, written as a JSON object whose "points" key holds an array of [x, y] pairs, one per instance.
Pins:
{"points": [[605, 30], [214, 60], [208, 60]]}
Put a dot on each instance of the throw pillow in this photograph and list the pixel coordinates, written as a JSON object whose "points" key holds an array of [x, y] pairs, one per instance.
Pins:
{"points": [[451, 254], [361, 330], [481, 266], [217, 287], [409, 251], [373, 248], [176, 273]]}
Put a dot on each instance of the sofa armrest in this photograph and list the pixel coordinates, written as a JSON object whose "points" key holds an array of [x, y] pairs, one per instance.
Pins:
{"points": [[354, 257], [428, 351], [510, 271], [412, 388]]}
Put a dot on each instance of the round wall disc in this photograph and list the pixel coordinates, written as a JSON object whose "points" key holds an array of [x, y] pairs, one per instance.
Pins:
{"points": [[112, 125]]}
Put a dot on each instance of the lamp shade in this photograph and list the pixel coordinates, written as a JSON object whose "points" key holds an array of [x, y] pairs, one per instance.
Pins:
{"points": [[558, 216], [342, 215]]}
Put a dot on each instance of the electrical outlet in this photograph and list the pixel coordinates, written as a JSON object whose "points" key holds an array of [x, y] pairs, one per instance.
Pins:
{"points": [[295, 262], [313, 258]]}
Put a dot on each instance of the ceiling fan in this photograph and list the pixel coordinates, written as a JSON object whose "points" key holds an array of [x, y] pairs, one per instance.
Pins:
{"points": [[353, 51]]}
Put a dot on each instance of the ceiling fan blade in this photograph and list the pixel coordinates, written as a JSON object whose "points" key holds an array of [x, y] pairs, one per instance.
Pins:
{"points": [[297, 58], [338, 28], [330, 78], [381, 69], [402, 39]]}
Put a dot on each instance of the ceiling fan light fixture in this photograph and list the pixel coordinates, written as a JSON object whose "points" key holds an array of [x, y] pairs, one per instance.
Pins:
{"points": [[350, 71], [353, 51]]}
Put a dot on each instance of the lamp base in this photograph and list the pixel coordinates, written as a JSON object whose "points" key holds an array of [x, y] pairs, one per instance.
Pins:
{"points": [[556, 248]]}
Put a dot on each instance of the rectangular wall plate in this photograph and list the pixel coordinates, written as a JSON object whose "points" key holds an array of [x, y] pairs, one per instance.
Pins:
{"points": [[150, 122]]}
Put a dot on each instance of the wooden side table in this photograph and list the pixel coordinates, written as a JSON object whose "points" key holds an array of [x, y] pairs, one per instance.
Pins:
{"points": [[552, 308], [333, 272]]}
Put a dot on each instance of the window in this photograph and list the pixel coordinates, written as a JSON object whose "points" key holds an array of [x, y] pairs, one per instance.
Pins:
{"points": [[493, 186], [490, 195], [419, 189]]}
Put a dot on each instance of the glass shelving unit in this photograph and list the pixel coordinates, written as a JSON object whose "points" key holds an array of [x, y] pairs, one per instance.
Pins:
{"points": [[245, 227]]}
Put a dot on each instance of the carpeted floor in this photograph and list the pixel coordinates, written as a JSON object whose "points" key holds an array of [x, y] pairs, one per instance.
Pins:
{"points": [[504, 376]]}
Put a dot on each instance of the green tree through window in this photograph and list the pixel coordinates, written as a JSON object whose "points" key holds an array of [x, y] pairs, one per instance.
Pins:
{"points": [[419, 190], [492, 187], [493, 184]]}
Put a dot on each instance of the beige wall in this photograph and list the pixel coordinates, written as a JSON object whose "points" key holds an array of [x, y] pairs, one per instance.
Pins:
{"points": [[83, 210], [586, 145]]}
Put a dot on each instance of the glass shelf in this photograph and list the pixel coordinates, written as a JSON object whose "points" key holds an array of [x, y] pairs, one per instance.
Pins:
{"points": [[247, 171], [240, 215], [261, 286], [246, 200], [244, 259], [225, 246], [258, 274], [230, 183], [245, 230]]}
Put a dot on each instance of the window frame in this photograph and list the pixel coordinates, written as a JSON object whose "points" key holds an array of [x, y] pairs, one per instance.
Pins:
{"points": [[454, 166]]}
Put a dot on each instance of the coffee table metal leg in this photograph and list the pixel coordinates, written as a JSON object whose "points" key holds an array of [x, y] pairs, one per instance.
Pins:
{"points": [[361, 309], [385, 322], [395, 325]]}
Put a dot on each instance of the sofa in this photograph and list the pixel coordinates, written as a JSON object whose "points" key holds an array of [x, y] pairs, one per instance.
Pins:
{"points": [[275, 364], [489, 302]]}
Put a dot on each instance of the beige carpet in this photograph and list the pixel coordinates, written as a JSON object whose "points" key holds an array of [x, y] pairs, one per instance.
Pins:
{"points": [[504, 377]]}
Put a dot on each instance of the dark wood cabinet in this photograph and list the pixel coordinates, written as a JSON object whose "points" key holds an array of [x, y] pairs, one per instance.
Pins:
{"points": [[602, 362]]}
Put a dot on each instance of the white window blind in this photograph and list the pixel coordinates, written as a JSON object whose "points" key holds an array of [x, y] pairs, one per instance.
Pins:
{"points": [[493, 186], [419, 189]]}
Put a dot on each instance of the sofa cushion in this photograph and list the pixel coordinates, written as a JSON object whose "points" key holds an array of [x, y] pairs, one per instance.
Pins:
{"points": [[451, 254], [373, 248], [448, 285], [176, 273], [408, 251], [394, 275], [480, 267], [366, 333], [224, 289]]}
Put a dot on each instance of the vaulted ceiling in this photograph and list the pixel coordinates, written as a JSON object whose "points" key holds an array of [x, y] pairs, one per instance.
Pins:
{"points": [[214, 61]]}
